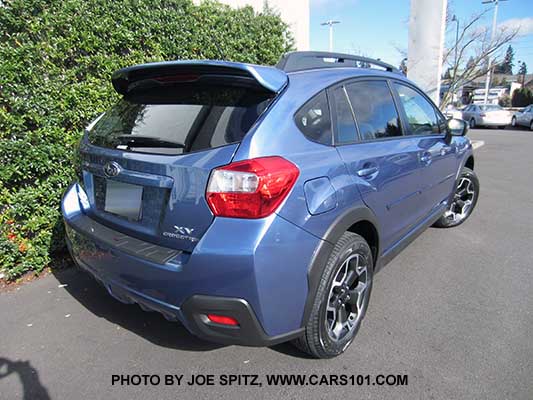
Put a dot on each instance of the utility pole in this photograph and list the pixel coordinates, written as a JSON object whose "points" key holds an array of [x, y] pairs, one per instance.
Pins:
{"points": [[456, 20], [494, 18], [330, 23]]}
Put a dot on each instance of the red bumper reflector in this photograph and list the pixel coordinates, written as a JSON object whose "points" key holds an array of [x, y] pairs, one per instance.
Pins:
{"points": [[222, 319]]}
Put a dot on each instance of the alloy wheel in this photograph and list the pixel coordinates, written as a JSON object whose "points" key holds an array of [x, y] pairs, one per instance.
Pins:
{"points": [[348, 297], [462, 200], [513, 121]]}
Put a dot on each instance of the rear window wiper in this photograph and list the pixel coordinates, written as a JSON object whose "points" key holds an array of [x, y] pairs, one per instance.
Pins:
{"points": [[148, 141]]}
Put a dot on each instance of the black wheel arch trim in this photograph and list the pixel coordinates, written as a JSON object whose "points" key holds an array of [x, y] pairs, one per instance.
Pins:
{"points": [[464, 161], [325, 247]]}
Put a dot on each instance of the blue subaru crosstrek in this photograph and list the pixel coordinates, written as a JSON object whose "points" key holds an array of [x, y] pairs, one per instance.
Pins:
{"points": [[254, 204]]}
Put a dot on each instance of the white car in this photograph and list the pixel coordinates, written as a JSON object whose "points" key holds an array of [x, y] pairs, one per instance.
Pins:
{"points": [[524, 117], [486, 115], [452, 112]]}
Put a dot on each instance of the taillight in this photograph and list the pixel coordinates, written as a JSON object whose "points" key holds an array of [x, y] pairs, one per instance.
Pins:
{"points": [[482, 115], [251, 188]]}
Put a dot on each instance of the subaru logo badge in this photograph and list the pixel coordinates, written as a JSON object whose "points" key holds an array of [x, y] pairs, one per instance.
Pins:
{"points": [[112, 169]]}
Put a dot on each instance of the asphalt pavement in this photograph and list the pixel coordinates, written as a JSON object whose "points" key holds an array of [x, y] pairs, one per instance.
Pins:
{"points": [[453, 312]]}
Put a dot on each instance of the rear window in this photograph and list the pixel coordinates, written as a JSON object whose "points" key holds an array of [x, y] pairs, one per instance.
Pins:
{"points": [[490, 108], [189, 120]]}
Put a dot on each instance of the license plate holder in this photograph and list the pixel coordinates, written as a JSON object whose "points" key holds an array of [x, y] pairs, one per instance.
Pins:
{"points": [[123, 199]]}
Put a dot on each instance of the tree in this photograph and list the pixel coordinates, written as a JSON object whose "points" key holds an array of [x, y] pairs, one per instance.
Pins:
{"points": [[523, 69], [506, 66], [474, 47], [522, 97]]}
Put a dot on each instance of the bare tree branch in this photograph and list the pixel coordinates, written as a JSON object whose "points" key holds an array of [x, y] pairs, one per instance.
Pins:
{"points": [[474, 48]]}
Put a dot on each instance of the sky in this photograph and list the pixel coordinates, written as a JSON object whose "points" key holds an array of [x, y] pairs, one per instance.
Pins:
{"points": [[377, 28]]}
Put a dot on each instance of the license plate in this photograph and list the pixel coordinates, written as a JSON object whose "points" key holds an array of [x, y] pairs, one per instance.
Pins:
{"points": [[123, 199]]}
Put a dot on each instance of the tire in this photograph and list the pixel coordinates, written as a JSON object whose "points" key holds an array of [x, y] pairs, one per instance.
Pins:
{"points": [[513, 122], [472, 123], [350, 254], [531, 125], [468, 184]]}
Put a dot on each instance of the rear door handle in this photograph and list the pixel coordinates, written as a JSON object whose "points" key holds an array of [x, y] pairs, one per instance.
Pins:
{"points": [[367, 171]]}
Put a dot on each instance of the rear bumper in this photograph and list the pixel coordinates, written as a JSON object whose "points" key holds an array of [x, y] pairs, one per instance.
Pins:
{"points": [[495, 122], [252, 270]]}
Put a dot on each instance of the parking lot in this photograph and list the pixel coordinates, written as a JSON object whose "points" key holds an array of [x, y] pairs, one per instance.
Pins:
{"points": [[454, 312]]}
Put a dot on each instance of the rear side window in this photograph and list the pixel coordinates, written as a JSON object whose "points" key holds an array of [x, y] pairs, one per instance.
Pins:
{"points": [[345, 131], [421, 115], [314, 121], [374, 110], [190, 119]]}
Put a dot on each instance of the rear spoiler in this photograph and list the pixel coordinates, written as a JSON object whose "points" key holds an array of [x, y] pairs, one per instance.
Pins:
{"points": [[256, 77]]}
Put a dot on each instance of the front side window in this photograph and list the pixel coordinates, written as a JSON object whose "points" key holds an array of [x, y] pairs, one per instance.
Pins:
{"points": [[421, 115], [314, 121], [374, 110]]}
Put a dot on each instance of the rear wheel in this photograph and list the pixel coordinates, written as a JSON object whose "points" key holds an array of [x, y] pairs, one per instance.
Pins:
{"points": [[341, 300], [472, 123], [463, 202], [531, 125]]}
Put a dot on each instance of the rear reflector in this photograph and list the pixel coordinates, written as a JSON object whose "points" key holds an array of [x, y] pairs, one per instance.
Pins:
{"points": [[222, 319], [251, 188]]}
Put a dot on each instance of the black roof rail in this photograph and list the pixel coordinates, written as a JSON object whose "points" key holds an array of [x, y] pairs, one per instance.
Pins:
{"points": [[304, 60]]}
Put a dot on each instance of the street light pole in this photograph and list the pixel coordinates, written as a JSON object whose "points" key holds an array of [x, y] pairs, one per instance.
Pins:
{"points": [[494, 19], [330, 23], [456, 20]]}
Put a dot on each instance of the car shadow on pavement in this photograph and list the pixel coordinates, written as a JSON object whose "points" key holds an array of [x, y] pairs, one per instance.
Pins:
{"points": [[32, 388], [152, 326]]}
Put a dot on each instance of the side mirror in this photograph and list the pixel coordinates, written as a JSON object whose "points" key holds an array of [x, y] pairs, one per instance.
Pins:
{"points": [[457, 127]]}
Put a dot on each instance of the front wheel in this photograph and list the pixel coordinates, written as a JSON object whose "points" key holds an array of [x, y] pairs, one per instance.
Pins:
{"points": [[513, 122], [463, 202], [531, 126], [341, 299]]}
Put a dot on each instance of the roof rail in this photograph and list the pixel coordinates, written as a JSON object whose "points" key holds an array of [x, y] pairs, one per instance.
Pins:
{"points": [[304, 60]]}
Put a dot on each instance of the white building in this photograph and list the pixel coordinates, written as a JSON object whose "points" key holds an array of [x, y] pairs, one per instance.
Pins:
{"points": [[494, 95], [294, 12]]}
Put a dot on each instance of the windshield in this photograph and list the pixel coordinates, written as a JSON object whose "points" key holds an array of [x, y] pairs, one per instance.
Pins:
{"points": [[195, 119]]}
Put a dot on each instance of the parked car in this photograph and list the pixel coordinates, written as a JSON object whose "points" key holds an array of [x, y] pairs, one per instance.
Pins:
{"points": [[486, 115], [453, 112], [254, 204], [524, 117]]}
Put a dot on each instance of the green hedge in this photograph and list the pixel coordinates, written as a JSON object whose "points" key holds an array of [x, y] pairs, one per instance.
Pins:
{"points": [[56, 59], [522, 97]]}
